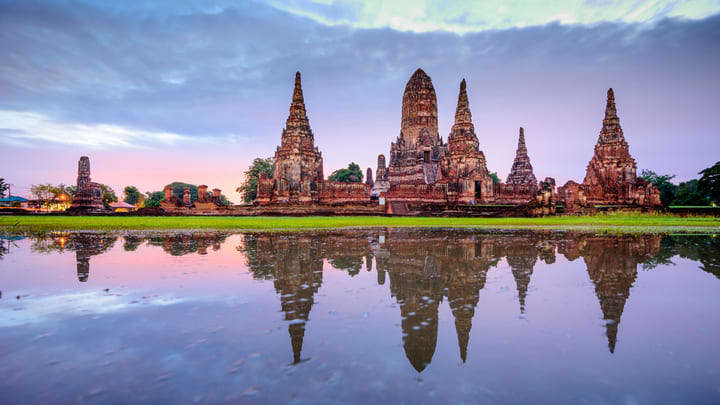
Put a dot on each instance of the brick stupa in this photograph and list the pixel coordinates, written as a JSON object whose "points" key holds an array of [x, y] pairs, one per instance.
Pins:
{"points": [[521, 172], [463, 152], [297, 159], [611, 164], [88, 197]]}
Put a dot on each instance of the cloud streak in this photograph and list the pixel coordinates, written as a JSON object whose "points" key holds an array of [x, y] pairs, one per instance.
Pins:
{"points": [[465, 16], [28, 129]]}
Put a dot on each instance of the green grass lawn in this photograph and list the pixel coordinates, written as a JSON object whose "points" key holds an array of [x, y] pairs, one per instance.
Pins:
{"points": [[619, 221]]}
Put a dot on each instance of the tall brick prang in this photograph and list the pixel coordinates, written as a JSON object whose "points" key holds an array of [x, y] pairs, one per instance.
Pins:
{"points": [[521, 172], [416, 154]]}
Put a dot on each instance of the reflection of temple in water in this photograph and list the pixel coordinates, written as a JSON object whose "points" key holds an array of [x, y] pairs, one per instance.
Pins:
{"points": [[295, 265], [426, 266], [612, 266], [422, 267], [85, 246]]}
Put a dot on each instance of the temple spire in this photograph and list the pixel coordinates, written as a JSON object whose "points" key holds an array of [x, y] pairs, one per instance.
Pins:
{"points": [[298, 113], [462, 113], [610, 109], [521, 172], [522, 148]]}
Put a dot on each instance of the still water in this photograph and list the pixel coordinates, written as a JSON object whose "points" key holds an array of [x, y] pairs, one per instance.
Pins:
{"points": [[360, 316]]}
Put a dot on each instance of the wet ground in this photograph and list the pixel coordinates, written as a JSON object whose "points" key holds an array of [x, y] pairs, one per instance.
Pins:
{"points": [[360, 316]]}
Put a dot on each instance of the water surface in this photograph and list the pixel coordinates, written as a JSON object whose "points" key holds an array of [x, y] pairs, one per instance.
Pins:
{"points": [[360, 316]]}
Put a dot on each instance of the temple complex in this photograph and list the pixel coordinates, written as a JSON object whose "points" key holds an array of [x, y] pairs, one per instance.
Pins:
{"points": [[426, 175], [88, 197], [611, 176]]}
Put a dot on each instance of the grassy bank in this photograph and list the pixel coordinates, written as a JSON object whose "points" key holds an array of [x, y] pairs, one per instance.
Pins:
{"points": [[631, 222]]}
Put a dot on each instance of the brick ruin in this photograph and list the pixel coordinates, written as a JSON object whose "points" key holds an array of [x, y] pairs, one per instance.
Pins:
{"points": [[88, 197], [611, 176], [298, 177], [205, 203], [424, 171], [521, 184]]}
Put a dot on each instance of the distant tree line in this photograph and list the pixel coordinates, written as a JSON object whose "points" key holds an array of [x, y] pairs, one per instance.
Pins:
{"points": [[703, 191]]}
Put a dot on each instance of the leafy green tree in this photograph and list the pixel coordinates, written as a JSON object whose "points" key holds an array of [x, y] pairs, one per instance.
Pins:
{"points": [[662, 182], [108, 195], [46, 191], [495, 177], [709, 183], [154, 198], [178, 188], [249, 187], [688, 193], [133, 195], [352, 174], [3, 187]]}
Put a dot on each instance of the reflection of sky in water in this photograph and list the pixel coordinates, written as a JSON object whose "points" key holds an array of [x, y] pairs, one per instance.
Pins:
{"points": [[423, 316]]}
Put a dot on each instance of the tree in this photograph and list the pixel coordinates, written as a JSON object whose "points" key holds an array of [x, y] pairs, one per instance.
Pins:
{"points": [[133, 196], [108, 195], [46, 192], [709, 183], [252, 174], [352, 174], [3, 187], [687, 193], [662, 182], [178, 188], [495, 177], [153, 199]]}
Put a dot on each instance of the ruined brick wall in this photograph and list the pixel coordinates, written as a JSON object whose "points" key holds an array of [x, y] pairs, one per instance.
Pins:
{"points": [[332, 192]]}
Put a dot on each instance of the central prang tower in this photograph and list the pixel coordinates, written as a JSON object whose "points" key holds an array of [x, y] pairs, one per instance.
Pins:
{"points": [[416, 154]]}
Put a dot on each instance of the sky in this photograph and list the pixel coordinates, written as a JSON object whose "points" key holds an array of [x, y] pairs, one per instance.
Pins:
{"points": [[186, 90]]}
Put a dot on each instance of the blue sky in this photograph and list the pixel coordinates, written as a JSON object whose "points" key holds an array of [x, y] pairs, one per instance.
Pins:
{"points": [[192, 91]]}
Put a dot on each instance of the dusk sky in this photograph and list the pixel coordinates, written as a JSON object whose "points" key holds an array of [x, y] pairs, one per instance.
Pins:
{"points": [[183, 90]]}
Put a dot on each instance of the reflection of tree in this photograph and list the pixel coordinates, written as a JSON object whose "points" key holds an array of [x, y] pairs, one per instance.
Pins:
{"points": [[700, 248], [132, 242], [704, 249], [345, 251], [183, 244], [6, 242], [353, 265]]}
